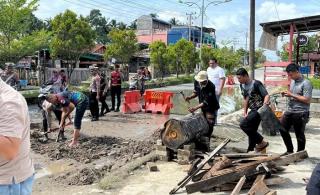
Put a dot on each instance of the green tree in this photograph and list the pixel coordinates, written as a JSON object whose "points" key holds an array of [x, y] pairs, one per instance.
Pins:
{"points": [[72, 37], [227, 58], [133, 25], [174, 21], [36, 24], [29, 44], [207, 53], [311, 46], [14, 22], [154, 15], [182, 56], [158, 56], [123, 45], [259, 56], [100, 24]]}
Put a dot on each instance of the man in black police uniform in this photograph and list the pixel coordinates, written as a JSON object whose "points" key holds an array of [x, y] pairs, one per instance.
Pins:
{"points": [[205, 91]]}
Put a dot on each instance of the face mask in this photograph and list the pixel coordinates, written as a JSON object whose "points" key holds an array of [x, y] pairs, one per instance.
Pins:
{"points": [[203, 84]]}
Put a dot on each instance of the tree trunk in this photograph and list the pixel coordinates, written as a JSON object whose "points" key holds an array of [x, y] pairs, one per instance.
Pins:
{"points": [[176, 132]]}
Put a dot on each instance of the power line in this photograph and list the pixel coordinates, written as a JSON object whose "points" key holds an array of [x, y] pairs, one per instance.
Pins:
{"points": [[141, 5], [275, 7], [89, 7], [105, 8], [114, 8]]}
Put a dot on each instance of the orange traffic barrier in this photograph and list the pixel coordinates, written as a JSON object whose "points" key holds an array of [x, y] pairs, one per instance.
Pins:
{"points": [[158, 101], [131, 102]]}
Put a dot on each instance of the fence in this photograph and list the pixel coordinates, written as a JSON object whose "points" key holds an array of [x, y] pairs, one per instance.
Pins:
{"points": [[78, 75], [275, 75]]}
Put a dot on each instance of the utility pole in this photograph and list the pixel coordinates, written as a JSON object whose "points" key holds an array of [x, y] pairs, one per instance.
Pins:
{"points": [[201, 34], [252, 38], [203, 8], [190, 23], [246, 49]]}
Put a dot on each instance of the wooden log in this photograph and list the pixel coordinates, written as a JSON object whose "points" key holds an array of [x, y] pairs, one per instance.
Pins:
{"points": [[269, 182], [269, 122], [177, 132], [291, 158], [224, 162], [229, 175], [238, 187]]}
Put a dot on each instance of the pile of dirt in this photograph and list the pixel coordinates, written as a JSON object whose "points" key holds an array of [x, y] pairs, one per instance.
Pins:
{"points": [[89, 148], [118, 151], [85, 176]]}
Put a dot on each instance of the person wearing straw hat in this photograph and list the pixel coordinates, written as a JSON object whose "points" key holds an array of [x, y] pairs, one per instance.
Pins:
{"points": [[208, 103]]}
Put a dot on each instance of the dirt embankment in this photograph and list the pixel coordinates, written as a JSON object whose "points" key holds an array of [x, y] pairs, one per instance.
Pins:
{"points": [[115, 152]]}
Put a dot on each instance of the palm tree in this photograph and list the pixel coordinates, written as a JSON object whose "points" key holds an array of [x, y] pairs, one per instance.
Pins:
{"points": [[154, 15], [174, 21]]}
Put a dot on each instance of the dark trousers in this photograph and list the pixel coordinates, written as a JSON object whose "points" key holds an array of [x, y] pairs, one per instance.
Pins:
{"points": [[115, 90], [57, 113], [94, 105], [313, 186], [250, 126], [203, 143], [298, 121], [104, 105]]}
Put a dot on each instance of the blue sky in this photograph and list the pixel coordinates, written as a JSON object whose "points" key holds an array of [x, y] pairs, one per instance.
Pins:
{"points": [[231, 20]]}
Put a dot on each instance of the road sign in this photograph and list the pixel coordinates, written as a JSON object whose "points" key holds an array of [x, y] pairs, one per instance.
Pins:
{"points": [[303, 40]]}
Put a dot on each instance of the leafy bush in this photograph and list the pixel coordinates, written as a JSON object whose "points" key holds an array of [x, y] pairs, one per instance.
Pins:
{"points": [[315, 83]]}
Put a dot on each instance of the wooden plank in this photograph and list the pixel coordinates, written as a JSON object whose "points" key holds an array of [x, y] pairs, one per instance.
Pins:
{"points": [[244, 155], [272, 192], [276, 181], [259, 178], [228, 175], [259, 188], [239, 185], [291, 158], [224, 162]]}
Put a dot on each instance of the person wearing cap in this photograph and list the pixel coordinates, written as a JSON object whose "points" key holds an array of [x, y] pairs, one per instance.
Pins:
{"points": [[10, 77], [94, 93], [255, 96], [208, 103]]}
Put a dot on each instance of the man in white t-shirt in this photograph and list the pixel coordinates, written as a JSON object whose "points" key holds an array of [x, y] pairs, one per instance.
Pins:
{"points": [[16, 167], [217, 76]]}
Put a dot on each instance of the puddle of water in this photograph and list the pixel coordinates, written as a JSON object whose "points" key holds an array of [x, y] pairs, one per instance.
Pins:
{"points": [[54, 168]]}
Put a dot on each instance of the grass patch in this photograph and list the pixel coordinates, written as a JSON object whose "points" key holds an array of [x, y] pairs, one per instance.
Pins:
{"points": [[115, 178], [315, 83]]}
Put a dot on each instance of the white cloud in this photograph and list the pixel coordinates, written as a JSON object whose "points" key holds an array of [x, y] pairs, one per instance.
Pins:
{"points": [[167, 15], [267, 11]]}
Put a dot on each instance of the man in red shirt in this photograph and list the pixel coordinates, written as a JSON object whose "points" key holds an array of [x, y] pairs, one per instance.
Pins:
{"points": [[115, 87]]}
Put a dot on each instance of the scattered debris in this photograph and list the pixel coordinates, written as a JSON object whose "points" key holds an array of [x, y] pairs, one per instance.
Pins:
{"points": [[152, 167], [233, 172]]}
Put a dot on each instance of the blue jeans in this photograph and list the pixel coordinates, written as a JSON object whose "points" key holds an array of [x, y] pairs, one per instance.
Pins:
{"points": [[22, 188], [80, 110]]}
